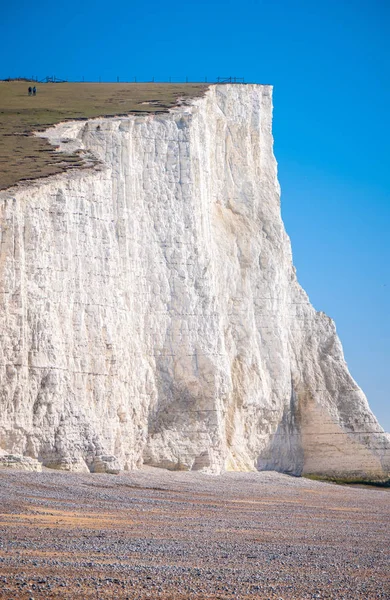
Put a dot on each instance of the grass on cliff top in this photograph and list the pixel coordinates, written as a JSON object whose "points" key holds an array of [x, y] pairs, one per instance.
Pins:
{"points": [[24, 156]]}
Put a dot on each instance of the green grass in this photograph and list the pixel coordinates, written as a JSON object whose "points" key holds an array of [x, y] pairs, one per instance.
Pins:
{"points": [[24, 156]]}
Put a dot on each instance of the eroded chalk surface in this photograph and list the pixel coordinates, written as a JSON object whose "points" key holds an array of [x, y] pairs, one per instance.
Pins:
{"points": [[150, 311]]}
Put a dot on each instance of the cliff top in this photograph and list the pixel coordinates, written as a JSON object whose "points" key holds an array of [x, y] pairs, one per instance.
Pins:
{"points": [[25, 156]]}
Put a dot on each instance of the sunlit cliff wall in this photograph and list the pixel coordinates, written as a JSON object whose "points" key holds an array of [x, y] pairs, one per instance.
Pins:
{"points": [[150, 311]]}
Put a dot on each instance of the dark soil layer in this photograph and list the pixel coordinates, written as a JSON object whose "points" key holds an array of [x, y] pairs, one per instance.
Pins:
{"points": [[24, 156], [154, 534]]}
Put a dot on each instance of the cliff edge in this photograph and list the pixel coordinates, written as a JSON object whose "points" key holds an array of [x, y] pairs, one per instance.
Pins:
{"points": [[150, 311]]}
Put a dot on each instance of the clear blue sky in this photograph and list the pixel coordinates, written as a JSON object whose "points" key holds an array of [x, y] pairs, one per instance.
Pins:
{"points": [[329, 64]]}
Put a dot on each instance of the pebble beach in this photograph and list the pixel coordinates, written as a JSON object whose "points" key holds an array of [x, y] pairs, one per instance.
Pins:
{"points": [[176, 535]]}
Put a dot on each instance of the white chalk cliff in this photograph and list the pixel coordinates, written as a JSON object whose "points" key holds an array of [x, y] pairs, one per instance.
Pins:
{"points": [[150, 311]]}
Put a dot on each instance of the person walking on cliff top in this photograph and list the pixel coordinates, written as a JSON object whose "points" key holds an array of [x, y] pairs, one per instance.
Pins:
{"points": [[30, 90], [34, 91]]}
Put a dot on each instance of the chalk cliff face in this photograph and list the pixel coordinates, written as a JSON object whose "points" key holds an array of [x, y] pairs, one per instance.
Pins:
{"points": [[150, 311]]}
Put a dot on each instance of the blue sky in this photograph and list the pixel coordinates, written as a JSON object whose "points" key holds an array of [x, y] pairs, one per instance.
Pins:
{"points": [[329, 64]]}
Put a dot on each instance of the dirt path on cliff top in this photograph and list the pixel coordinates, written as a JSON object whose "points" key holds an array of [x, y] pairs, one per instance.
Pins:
{"points": [[156, 534], [24, 156]]}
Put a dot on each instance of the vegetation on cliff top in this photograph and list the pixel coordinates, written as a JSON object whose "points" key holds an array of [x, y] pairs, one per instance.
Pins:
{"points": [[25, 156]]}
